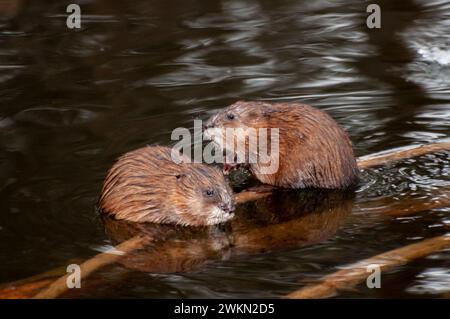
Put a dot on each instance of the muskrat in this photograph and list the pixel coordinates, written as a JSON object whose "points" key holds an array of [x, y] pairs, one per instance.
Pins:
{"points": [[146, 185], [314, 151]]}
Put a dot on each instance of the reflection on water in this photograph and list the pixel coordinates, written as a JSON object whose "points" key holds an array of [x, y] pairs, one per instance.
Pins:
{"points": [[283, 221], [72, 101]]}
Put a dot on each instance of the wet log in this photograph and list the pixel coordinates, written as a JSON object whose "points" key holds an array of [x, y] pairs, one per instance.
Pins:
{"points": [[385, 157], [355, 274], [367, 161], [60, 285], [28, 287], [25, 290]]}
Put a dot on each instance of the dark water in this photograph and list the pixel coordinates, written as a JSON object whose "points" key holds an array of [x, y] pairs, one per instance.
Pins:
{"points": [[72, 101]]}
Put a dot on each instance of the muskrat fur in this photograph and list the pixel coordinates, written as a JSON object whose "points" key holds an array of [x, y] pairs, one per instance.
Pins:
{"points": [[314, 151], [146, 185]]}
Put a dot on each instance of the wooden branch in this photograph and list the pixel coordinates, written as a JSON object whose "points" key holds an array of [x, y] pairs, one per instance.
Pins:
{"points": [[356, 273], [59, 286], [248, 196], [367, 161], [28, 287], [25, 290], [397, 154]]}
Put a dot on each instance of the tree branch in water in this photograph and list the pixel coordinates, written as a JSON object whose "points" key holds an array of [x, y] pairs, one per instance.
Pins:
{"points": [[356, 273]]}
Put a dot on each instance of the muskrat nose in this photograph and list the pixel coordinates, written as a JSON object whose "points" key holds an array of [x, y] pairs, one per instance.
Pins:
{"points": [[208, 124], [228, 208]]}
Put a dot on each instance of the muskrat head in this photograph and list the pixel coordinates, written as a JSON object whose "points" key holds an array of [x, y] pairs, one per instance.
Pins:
{"points": [[234, 127], [201, 196], [239, 115]]}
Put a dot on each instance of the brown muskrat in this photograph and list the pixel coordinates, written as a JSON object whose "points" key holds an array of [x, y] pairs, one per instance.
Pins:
{"points": [[314, 151], [146, 185]]}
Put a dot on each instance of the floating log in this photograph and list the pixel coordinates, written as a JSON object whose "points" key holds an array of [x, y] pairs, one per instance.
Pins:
{"points": [[25, 290], [60, 285], [355, 274], [385, 157], [28, 287]]}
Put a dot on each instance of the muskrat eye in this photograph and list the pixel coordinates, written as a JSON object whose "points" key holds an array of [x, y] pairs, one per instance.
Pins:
{"points": [[209, 192], [230, 116]]}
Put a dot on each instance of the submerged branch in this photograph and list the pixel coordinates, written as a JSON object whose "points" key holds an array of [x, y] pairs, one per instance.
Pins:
{"points": [[402, 153], [356, 273], [60, 285]]}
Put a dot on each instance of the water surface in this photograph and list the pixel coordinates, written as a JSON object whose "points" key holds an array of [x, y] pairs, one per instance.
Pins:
{"points": [[71, 101]]}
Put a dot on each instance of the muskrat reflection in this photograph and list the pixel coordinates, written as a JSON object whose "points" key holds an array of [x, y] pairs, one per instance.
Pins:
{"points": [[289, 219], [170, 248], [284, 220]]}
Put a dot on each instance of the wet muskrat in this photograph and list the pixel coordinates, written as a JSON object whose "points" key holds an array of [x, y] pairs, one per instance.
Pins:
{"points": [[314, 151], [146, 185]]}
